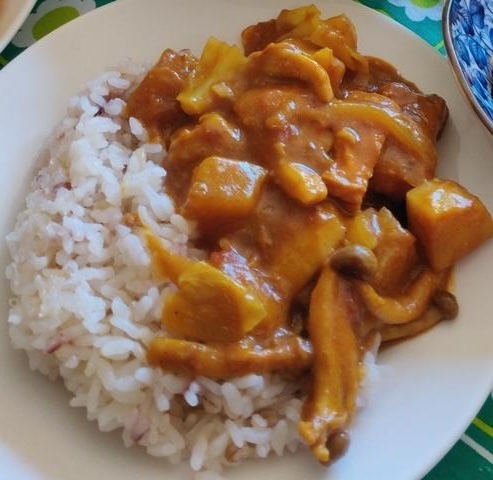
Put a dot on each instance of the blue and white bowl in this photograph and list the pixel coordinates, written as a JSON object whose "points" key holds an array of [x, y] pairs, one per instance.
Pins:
{"points": [[468, 35]]}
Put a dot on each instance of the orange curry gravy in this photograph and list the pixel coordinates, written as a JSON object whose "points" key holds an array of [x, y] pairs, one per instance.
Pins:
{"points": [[278, 154]]}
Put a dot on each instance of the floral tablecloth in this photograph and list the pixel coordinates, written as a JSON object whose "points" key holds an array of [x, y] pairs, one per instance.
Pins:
{"points": [[471, 458]]}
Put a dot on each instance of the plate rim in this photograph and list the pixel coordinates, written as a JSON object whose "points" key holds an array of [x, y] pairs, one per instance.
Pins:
{"points": [[22, 13], [113, 5]]}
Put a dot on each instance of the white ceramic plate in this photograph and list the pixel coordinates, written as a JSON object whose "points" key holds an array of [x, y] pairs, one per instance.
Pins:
{"points": [[12, 14], [433, 385]]}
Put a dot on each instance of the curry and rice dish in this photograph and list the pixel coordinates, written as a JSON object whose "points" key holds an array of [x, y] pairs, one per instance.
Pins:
{"points": [[214, 248]]}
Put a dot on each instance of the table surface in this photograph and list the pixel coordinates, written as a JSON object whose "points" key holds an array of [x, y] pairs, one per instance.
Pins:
{"points": [[471, 458]]}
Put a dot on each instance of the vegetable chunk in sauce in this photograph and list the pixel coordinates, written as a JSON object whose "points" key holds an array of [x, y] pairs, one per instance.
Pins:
{"points": [[294, 157]]}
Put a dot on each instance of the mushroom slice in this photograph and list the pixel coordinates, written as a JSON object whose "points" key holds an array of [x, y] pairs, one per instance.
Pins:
{"points": [[405, 307], [285, 60], [331, 401], [288, 354], [391, 333]]}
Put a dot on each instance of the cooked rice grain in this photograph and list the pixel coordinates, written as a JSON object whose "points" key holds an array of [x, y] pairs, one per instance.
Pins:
{"points": [[85, 306]]}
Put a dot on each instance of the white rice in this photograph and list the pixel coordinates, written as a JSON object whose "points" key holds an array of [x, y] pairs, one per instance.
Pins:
{"points": [[85, 306]]}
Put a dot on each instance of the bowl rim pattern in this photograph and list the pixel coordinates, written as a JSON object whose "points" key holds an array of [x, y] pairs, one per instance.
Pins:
{"points": [[457, 67]]}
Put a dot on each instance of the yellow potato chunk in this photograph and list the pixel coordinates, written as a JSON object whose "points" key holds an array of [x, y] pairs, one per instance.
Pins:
{"points": [[223, 189], [339, 35], [219, 65], [165, 263], [362, 230], [209, 306], [298, 22], [396, 253], [301, 182], [393, 246], [303, 247], [448, 221]]}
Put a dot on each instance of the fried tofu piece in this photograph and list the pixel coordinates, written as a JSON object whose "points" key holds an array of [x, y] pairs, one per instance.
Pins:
{"points": [[154, 101]]}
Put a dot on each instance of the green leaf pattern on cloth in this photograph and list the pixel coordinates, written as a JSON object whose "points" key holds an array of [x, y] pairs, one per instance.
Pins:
{"points": [[418, 10], [423, 17], [471, 458], [47, 16]]}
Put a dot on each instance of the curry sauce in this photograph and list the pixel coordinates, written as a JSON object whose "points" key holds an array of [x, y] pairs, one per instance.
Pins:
{"points": [[277, 152]]}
